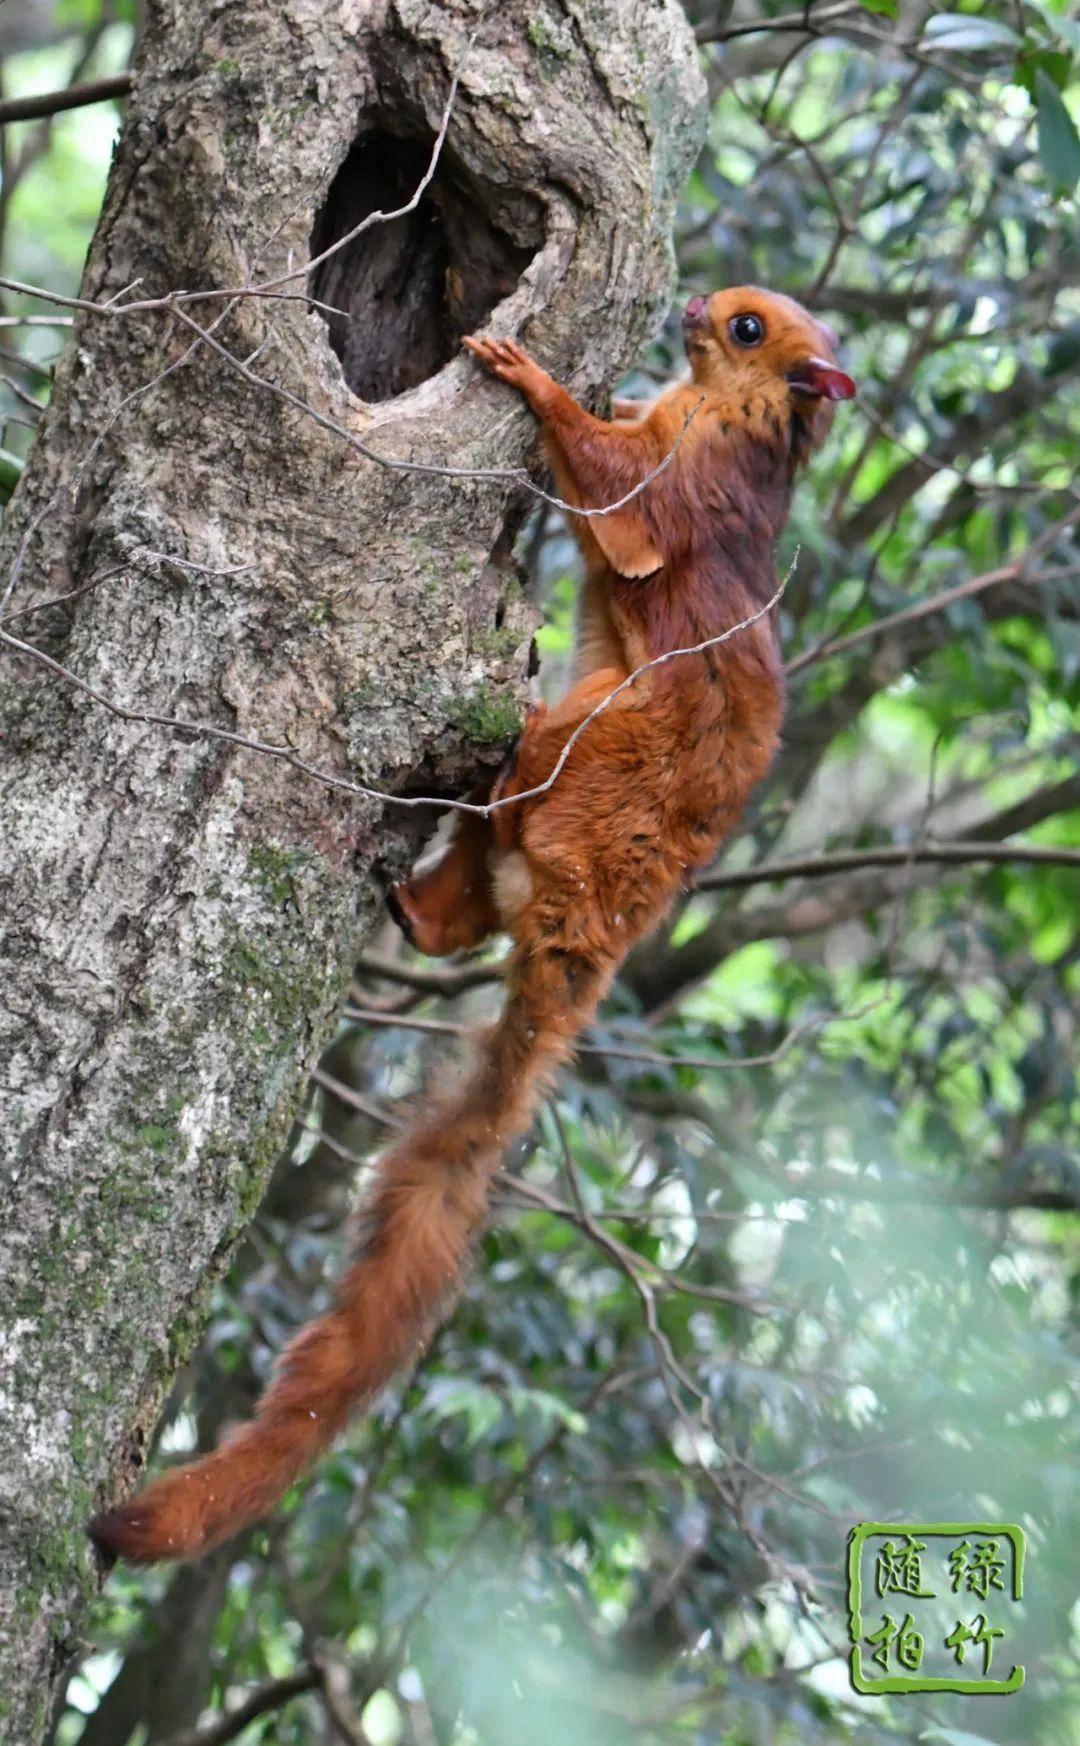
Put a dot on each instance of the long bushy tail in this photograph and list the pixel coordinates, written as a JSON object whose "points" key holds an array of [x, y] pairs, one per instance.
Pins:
{"points": [[414, 1240]]}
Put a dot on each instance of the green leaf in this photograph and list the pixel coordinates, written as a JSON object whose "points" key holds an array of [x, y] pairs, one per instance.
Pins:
{"points": [[1056, 64], [1063, 352], [958, 30], [11, 467], [886, 8], [1063, 29], [480, 1407], [1059, 142]]}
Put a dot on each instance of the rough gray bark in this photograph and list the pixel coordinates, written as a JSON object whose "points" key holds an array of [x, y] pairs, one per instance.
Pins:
{"points": [[181, 915]]}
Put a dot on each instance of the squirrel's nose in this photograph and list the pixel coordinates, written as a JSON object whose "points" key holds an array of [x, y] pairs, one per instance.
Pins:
{"points": [[696, 312]]}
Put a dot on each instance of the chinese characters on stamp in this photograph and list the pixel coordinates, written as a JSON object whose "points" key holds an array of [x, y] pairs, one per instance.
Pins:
{"points": [[929, 1604]]}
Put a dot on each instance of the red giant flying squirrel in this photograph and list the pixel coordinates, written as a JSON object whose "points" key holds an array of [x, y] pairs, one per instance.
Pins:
{"points": [[577, 873]]}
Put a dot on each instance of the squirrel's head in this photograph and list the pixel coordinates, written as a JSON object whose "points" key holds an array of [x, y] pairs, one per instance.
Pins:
{"points": [[767, 357]]}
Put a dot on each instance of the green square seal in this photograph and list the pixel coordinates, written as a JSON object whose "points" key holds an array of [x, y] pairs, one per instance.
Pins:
{"points": [[983, 1574]]}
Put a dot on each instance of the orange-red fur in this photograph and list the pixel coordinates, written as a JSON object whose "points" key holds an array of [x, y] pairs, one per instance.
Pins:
{"points": [[576, 875]]}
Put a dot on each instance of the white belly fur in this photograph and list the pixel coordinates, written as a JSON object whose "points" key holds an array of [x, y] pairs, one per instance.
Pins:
{"points": [[511, 882]]}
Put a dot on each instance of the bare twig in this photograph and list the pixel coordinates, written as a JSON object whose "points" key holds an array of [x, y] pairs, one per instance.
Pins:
{"points": [[628, 1259], [74, 97], [395, 463], [335, 1689], [37, 321], [711, 31], [171, 303], [1016, 571], [355, 1100], [456, 980], [889, 855], [286, 755], [609, 1051], [271, 1696], [632, 678]]}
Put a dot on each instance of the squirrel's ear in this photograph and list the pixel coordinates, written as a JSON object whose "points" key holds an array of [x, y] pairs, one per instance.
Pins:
{"points": [[819, 379], [626, 543]]}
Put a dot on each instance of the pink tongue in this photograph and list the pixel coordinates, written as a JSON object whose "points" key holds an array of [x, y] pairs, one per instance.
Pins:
{"points": [[818, 377]]}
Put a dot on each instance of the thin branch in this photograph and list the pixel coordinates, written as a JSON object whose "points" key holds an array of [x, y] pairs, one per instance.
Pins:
{"points": [[35, 606], [628, 1259], [286, 755], [667, 973], [647, 667], [457, 980], [799, 21], [849, 22], [355, 1100], [609, 1051], [74, 97], [22, 395], [395, 463], [673, 1373], [31, 366], [969, 434], [335, 1689], [1013, 572], [271, 1696], [922, 1191], [198, 569], [614, 1213], [933, 466], [171, 303], [889, 855]]}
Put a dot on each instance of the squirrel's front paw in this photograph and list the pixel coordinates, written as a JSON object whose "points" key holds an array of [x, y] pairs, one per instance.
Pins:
{"points": [[506, 360]]}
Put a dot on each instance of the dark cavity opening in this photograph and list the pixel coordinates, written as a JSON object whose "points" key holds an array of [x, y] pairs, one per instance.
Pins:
{"points": [[412, 287]]}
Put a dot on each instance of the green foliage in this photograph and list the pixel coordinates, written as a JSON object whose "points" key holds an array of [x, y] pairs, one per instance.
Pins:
{"points": [[10, 468], [51, 189], [1059, 144]]}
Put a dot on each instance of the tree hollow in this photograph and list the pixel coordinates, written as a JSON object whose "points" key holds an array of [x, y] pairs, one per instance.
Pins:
{"points": [[407, 290]]}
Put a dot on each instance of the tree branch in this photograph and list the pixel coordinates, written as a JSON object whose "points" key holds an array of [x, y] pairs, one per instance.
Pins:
{"points": [[995, 411], [1016, 571], [270, 1696], [802, 22], [889, 855], [660, 976], [456, 980], [74, 97], [921, 1191]]}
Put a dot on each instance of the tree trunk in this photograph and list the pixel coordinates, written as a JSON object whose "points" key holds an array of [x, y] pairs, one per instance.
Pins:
{"points": [[181, 913]]}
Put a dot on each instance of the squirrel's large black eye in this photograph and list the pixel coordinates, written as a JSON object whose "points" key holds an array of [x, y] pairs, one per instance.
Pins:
{"points": [[746, 330]]}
